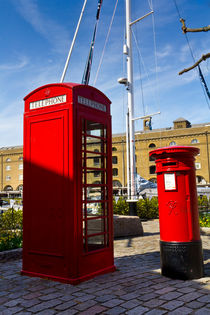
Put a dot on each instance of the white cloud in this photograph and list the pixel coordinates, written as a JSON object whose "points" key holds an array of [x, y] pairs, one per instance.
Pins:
{"points": [[53, 32], [166, 51], [19, 64]]}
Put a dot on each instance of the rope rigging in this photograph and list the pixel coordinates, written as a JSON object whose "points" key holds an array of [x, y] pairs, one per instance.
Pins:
{"points": [[200, 74], [86, 74], [140, 58], [106, 40]]}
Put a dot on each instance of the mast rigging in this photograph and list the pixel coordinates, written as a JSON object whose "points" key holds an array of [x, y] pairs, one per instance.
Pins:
{"points": [[86, 74]]}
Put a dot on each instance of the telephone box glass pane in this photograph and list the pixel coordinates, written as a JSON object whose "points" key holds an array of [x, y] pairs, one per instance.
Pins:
{"points": [[95, 129], [95, 226], [95, 177], [95, 242], [84, 228], [95, 209], [94, 190], [92, 160], [84, 210], [96, 193], [95, 145]]}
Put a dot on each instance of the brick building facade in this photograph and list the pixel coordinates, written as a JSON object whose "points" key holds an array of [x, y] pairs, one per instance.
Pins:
{"points": [[182, 133], [11, 168]]}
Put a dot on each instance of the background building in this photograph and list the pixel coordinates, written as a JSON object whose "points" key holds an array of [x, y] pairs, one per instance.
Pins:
{"points": [[11, 169], [182, 133]]}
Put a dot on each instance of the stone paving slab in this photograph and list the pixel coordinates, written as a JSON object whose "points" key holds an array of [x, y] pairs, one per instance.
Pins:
{"points": [[137, 287]]}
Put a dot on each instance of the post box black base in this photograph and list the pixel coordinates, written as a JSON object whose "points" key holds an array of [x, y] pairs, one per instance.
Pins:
{"points": [[181, 260]]}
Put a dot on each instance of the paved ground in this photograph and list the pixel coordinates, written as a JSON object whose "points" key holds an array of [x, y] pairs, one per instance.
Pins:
{"points": [[137, 286]]}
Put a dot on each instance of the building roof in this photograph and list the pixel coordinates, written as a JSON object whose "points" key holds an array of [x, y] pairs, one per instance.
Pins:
{"points": [[11, 147], [207, 124], [180, 119]]}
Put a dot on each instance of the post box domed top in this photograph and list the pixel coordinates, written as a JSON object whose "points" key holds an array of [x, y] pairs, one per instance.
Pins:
{"points": [[174, 150]]}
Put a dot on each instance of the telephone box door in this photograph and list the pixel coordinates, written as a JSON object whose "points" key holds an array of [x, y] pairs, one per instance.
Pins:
{"points": [[96, 191], [45, 229]]}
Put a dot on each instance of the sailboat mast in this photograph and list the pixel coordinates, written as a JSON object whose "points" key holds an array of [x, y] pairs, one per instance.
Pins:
{"points": [[131, 131]]}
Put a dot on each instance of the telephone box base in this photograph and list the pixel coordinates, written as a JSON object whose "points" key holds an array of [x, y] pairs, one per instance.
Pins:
{"points": [[181, 260], [72, 281]]}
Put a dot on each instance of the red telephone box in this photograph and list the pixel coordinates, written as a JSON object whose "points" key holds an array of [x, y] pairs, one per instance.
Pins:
{"points": [[180, 243], [67, 217]]}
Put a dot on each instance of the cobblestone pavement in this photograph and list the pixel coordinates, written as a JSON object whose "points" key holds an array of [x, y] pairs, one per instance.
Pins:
{"points": [[137, 287]]}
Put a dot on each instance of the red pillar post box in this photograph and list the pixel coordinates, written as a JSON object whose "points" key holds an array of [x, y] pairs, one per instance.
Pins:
{"points": [[180, 243], [67, 214]]}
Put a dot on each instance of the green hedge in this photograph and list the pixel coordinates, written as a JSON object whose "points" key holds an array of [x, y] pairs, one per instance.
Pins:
{"points": [[204, 219], [203, 203], [11, 227], [146, 208]]}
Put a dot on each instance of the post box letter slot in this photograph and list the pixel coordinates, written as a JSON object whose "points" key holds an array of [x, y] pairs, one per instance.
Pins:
{"points": [[169, 164]]}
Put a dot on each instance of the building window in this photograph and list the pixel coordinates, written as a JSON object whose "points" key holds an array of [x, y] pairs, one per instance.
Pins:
{"points": [[115, 171], [152, 158], [152, 169], [21, 177], [172, 143], [20, 187], [200, 180], [96, 173], [117, 183], [8, 177], [20, 167], [197, 166], [194, 141], [114, 149], [114, 160], [8, 160], [8, 188], [8, 167], [152, 145]]}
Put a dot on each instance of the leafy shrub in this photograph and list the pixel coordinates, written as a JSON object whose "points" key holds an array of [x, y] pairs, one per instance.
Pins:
{"points": [[11, 226], [203, 203], [120, 207], [148, 208], [204, 219]]}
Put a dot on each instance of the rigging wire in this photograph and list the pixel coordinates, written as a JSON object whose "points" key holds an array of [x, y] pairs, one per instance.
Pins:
{"points": [[155, 52], [150, 3], [156, 99], [156, 66], [73, 41], [140, 55], [86, 74], [106, 40], [140, 71], [202, 80]]}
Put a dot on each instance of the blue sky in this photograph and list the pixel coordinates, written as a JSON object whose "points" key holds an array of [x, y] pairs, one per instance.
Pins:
{"points": [[35, 38]]}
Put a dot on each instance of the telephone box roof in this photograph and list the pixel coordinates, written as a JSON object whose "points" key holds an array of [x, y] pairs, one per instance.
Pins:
{"points": [[69, 85]]}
